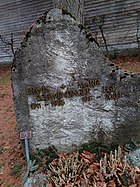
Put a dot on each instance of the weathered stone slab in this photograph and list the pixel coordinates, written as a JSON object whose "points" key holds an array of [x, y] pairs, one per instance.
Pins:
{"points": [[67, 92], [134, 157]]}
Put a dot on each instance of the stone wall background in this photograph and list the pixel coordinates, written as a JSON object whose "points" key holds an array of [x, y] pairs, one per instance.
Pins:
{"points": [[120, 21]]}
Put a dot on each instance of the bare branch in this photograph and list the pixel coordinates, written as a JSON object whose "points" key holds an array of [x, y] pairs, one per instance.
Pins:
{"points": [[11, 43], [3, 39], [102, 20]]}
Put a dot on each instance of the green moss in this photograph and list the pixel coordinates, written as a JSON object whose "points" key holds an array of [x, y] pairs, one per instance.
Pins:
{"points": [[44, 156], [132, 146], [4, 80], [81, 27], [16, 171], [41, 19], [98, 148], [23, 43], [65, 12], [8, 185], [28, 34], [90, 38]]}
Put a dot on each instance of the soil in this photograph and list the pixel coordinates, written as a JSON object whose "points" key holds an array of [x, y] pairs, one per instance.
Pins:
{"points": [[11, 155], [12, 158], [128, 63]]}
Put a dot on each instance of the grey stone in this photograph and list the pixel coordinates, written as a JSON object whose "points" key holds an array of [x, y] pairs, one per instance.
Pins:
{"points": [[67, 92], [37, 180], [134, 157]]}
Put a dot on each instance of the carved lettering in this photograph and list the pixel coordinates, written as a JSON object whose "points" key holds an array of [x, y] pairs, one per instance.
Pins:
{"points": [[87, 98], [83, 84], [93, 83], [84, 91], [70, 93], [35, 106], [41, 98], [80, 84], [110, 89], [111, 92], [58, 95], [44, 89], [111, 96], [36, 90], [57, 102], [88, 83], [44, 94], [50, 96]]}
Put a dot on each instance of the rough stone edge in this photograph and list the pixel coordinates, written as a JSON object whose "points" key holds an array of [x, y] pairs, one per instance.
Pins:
{"points": [[88, 35]]}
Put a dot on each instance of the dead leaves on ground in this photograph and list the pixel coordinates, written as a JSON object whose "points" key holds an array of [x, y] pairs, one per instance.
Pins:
{"points": [[82, 170]]}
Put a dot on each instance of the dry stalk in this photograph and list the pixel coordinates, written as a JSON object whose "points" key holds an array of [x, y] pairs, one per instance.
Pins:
{"points": [[68, 169], [109, 166]]}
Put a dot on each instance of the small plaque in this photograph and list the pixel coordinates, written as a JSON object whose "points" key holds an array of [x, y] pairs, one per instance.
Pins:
{"points": [[24, 135]]}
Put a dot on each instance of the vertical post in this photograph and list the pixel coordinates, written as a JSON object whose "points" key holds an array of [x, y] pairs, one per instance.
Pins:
{"points": [[27, 149], [25, 136], [75, 7]]}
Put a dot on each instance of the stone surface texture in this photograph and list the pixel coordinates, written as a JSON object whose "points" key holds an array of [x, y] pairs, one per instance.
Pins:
{"points": [[61, 55], [134, 157]]}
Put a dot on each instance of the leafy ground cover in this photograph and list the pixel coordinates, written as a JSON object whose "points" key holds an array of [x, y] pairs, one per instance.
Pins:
{"points": [[12, 158], [128, 62], [11, 155], [94, 165]]}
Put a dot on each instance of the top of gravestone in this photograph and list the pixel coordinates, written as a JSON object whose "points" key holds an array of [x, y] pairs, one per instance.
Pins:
{"points": [[59, 14]]}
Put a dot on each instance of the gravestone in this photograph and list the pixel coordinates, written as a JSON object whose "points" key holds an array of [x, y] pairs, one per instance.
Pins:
{"points": [[67, 92]]}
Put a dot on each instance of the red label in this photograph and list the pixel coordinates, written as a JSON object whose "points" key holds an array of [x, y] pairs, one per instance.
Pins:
{"points": [[24, 135]]}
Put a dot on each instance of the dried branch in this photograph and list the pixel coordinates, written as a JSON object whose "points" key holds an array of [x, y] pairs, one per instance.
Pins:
{"points": [[7, 43], [82, 170], [102, 20], [137, 33]]}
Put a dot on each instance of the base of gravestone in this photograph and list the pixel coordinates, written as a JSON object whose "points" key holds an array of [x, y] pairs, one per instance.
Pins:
{"points": [[37, 180], [134, 157]]}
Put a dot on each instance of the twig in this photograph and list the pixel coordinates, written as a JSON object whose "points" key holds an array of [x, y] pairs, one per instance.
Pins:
{"points": [[102, 19], [11, 43]]}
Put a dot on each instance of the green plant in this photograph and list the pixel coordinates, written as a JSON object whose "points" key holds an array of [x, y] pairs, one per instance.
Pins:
{"points": [[98, 148], [30, 168], [8, 185], [16, 170], [4, 80], [1, 150], [45, 156], [133, 145]]}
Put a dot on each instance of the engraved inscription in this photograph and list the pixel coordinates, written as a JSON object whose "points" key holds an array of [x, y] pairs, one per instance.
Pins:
{"points": [[57, 102], [87, 98], [45, 94], [88, 83], [37, 90], [34, 106], [45, 89], [111, 92]]}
